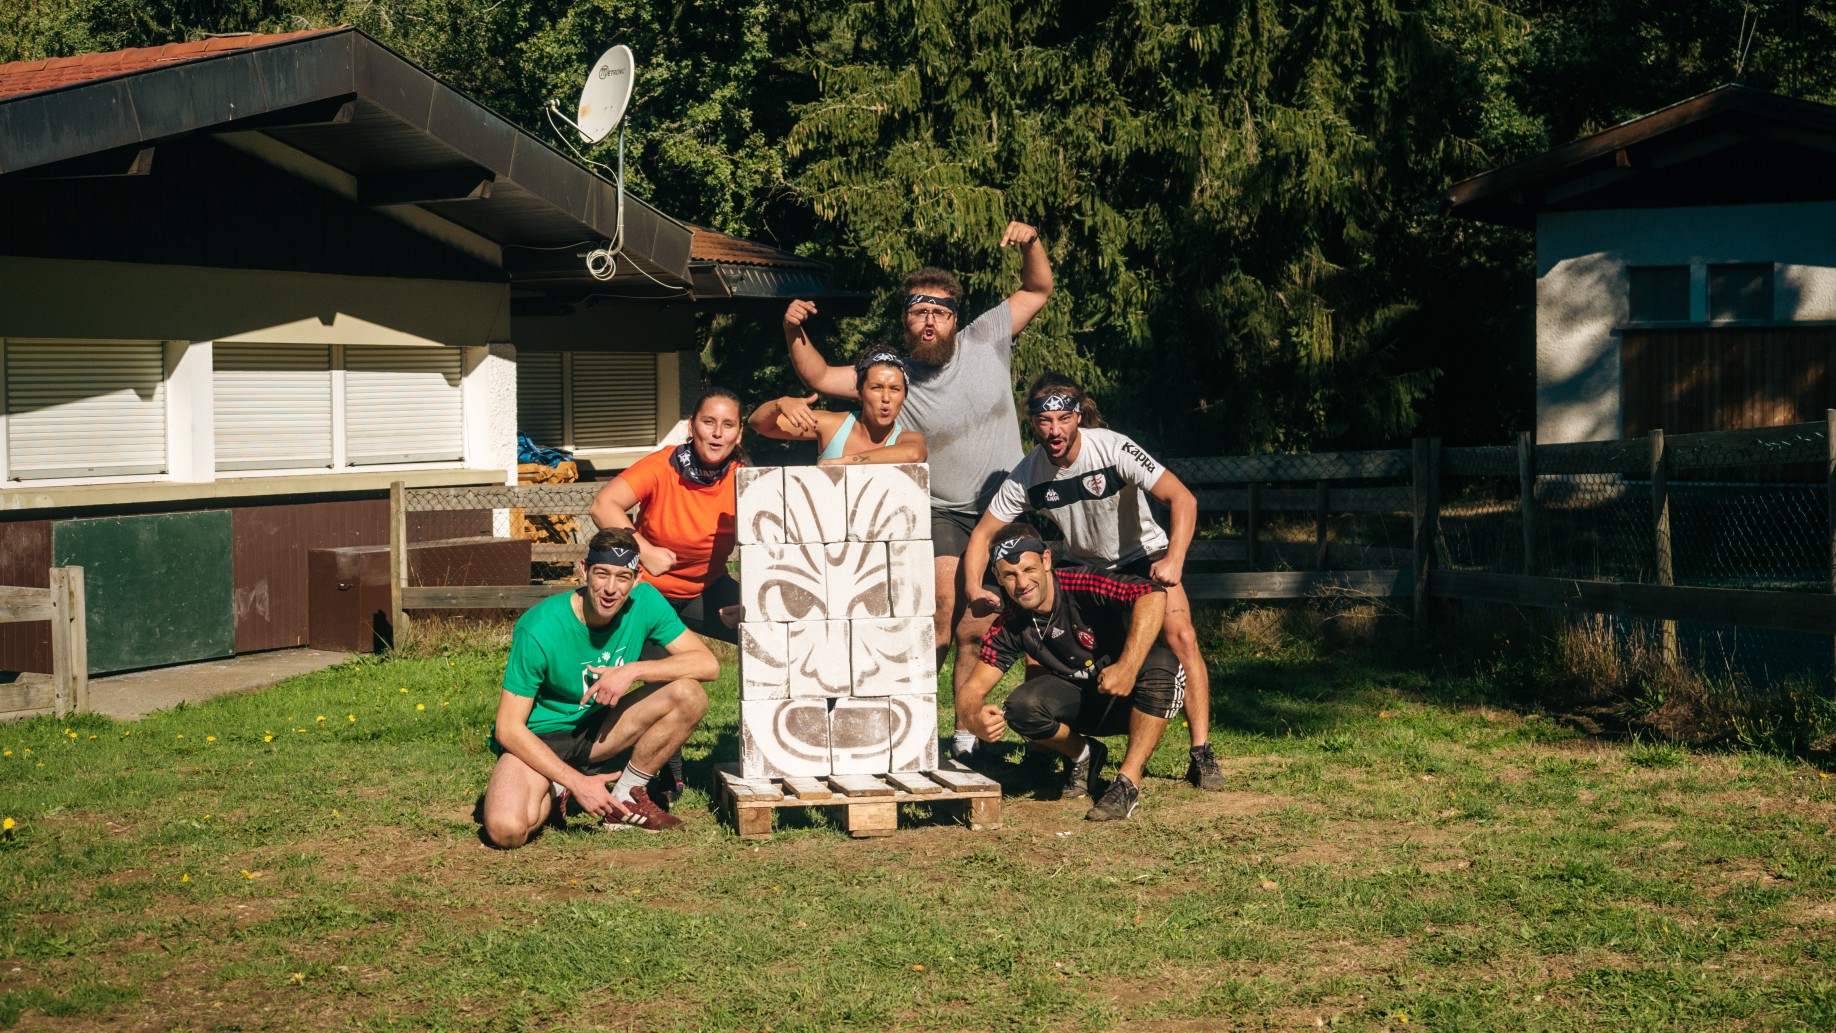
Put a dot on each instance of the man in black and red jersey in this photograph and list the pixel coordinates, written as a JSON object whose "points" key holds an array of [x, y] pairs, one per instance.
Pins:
{"points": [[1096, 635]]}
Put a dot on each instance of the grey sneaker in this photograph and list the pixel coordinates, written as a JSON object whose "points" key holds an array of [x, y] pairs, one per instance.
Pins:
{"points": [[1081, 776], [1121, 801], [1202, 770]]}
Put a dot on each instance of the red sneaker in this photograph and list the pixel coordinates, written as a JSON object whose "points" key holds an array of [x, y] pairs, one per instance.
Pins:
{"points": [[640, 813]]}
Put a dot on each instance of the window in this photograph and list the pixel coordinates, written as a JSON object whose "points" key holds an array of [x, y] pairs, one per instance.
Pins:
{"points": [[1740, 292], [588, 401], [273, 406], [85, 408], [1659, 293], [402, 405]]}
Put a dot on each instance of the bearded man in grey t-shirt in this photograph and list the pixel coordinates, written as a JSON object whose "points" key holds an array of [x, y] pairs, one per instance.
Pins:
{"points": [[961, 398]]}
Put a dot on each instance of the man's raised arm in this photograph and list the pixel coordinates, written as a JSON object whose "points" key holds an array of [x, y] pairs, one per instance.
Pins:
{"points": [[812, 369], [1035, 274], [1118, 679]]}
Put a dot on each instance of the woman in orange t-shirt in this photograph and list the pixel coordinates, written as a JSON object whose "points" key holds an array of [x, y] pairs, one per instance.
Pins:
{"points": [[687, 527]]}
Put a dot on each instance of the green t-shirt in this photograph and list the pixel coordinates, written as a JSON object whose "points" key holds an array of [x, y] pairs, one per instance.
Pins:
{"points": [[552, 647]]}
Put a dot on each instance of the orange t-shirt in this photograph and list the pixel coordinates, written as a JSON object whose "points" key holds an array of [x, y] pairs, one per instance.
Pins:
{"points": [[696, 521]]}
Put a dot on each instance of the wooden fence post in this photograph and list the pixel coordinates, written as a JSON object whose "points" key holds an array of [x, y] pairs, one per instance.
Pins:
{"points": [[76, 628], [1424, 476], [1251, 528], [1829, 440], [398, 564], [1660, 530], [1526, 489], [1320, 503], [60, 642]]}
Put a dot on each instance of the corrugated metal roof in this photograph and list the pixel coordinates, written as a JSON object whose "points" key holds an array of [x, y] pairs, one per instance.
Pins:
{"points": [[713, 246], [22, 77]]}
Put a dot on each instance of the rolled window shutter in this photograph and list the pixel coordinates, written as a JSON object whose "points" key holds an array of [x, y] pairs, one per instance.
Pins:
{"points": [[538, 398], [402, 405], [615, 400], [85, 408], [273, 406]]}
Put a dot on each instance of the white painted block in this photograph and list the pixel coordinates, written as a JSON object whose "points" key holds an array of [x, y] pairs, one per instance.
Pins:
{"points": [[819, 660], [914, 733], [860, 737], [889, 503], [764, 666], [894, 656], [815, 504], [784, 738], [759, 497], [856, 580], [784, 582], [911, 581]]}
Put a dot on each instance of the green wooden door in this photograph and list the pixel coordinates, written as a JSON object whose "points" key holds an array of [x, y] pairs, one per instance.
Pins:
{"points": [[159, 588]]}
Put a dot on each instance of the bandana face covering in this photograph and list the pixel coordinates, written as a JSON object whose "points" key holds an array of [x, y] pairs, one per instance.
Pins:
{"points": [[689, 466], [1051, 403]]}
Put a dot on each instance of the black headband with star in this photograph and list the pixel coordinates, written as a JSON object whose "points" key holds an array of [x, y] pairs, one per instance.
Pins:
{"points": [[1012, 549], [613, 557], [1052, 403], [930, 299]]}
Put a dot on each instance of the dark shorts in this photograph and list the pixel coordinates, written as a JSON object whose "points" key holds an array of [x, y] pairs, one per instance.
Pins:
{"points": [[702, 614], [1138, 568], [950, 531], [1041, 704], [573, 745]]}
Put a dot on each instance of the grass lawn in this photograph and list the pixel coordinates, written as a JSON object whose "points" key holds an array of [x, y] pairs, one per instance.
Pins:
{"points": [[1394, 852]]}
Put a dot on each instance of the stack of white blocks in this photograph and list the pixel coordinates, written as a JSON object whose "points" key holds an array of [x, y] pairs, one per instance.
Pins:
{"points": [[838, 670]]}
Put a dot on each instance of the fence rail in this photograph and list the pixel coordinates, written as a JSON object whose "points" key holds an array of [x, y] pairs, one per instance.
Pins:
{"points": [[66, 689]]}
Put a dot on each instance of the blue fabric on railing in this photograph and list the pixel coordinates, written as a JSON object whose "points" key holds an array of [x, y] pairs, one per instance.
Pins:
{"points": [[527, 451]]}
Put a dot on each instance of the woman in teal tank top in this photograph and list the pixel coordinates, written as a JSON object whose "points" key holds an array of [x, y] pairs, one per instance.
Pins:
{"points": [[874, 435]]}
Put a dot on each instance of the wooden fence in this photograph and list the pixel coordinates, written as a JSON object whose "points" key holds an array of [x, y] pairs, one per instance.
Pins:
{"points": [[1404, 485], [66, 689]]}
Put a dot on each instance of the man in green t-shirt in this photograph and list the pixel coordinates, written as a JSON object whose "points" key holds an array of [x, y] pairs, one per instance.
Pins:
{"points": [[576, 694]]}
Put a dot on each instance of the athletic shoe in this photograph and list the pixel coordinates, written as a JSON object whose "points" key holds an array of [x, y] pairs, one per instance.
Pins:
{"points": [[1202, 770], [1121, 801], [640, 813], [1081, 775]]}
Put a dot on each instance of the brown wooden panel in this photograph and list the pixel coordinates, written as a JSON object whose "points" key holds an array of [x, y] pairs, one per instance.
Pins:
{"points": [[25, 560], [270, 546], [1690, 379]]}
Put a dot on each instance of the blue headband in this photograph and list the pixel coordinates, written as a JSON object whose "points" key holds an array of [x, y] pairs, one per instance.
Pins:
{"points": [[1009, 550], [613, 557], [921, 299]]}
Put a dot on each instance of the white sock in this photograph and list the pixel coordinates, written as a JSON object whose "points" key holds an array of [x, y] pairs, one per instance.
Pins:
{"points": [[631, 779], [964, 742], [1084, 756]]}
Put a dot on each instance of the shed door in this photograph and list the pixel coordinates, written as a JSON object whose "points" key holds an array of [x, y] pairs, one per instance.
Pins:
{"points": [[85, 408], [274, 406], [402, 405], [614, 399]]}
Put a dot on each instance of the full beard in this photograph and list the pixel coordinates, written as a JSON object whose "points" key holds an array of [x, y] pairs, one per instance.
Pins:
{"points": [[937, 352]]}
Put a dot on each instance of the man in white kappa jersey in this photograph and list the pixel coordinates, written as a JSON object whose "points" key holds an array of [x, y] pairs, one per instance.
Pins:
{"points": [[1090, 480]]}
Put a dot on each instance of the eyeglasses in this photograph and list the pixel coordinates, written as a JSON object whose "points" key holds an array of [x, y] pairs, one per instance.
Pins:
{"points": [[929, 315]]}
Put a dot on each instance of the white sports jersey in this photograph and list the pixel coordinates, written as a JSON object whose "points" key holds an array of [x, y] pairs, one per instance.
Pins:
{"points": [[1096, 501]]}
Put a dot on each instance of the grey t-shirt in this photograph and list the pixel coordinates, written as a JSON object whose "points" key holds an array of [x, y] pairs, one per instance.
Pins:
{"points": [[965, 410]]}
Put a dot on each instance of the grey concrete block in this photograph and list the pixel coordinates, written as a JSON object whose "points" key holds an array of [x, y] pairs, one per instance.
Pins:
{"points": [[894, 656], [889, 503], [764, 660], [914, 733], [857, 581], [820, 664], [759, 498], [782, 738], [860, 737], [784, 582], [911, 581], [815, 504]]}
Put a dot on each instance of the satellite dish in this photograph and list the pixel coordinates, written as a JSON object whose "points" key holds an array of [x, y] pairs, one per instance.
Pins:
{"points": [[607, 90]]}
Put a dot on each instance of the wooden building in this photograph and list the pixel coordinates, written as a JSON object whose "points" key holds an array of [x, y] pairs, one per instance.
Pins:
{"points": [[248, 282], [1686, 267]]}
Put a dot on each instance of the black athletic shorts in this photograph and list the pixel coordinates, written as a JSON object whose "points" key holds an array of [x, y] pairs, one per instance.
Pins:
{"points": [[702, 614], [573, 745], [950, 530], [1041, 704]]}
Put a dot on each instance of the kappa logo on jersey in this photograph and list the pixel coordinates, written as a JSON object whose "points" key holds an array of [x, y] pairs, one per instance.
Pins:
{"points": [[1051, 495], [1140, 456], [1086, 639], [1093, 483]]}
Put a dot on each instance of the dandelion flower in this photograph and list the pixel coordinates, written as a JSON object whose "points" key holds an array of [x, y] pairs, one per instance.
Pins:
{"points": [[92, 737], [350, 717], [404, 690], [185, 878], [300, 731], [321, 718], [181, 735], [208, 738], [9, 753], [917, 968], [443, 703], [268, 738], [7, 824], [420, 706], [28, 749]]}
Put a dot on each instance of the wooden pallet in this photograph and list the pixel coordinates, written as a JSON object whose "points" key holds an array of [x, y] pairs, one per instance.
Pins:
{"points": [[870, 803]]}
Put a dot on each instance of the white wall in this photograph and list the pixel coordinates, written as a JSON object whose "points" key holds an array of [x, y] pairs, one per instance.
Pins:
{"points": [[1581, 260]]}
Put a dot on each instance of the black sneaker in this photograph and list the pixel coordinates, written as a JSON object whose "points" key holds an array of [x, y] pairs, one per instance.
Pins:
{"points": [[664, 789], [1121, 801], [1081, 776], [1202, 770]]}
